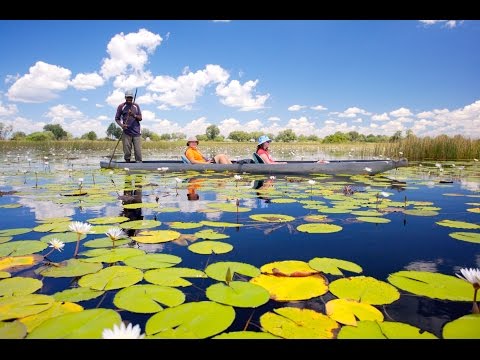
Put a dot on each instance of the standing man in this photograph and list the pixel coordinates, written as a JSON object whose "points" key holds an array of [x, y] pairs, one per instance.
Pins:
{"points": [[128, 117]]}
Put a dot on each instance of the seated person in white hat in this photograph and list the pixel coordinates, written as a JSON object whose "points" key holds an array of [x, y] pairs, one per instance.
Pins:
{"points": [[196, 157], [262, 150]]}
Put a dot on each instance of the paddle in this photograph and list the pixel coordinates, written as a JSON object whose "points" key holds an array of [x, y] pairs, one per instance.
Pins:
{"points": [[121, 135]]}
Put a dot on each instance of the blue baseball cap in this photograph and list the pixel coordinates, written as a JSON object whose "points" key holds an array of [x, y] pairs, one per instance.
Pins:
{"points": [[262, 139]]}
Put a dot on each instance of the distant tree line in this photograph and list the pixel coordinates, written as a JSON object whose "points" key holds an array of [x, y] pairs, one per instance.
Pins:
{"points": [[212, 133]]}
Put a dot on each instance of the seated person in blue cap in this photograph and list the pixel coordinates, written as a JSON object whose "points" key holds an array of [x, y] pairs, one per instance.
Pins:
{"points": [[262, 150]]}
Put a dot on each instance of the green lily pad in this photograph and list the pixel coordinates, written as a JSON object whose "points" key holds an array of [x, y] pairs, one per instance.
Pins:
{"points": [[465, 327], [245, 335], [77, 294], [108, 220], [54, 219], [198, 320], [373, 219], [65, 237], [458, 224], [57, 309], [140, 206], [184, 225], [283, 201], [156, 236], [219, 224], [238, 293], [218, 270], [12, 330], [173, 276], [228, 207], [347, 311], [153, 261], [4, 275], [333, 266], [113, 277], [316, 218], [15, 263], [11, 206], [4, 239], [22, 247], [147, 298], [418, 212], [383, 330], [292, 288], [13, 232], [364, 289], [18, 286], [140, 224], [271, 217], [111, 255], [105, 242], [466, 236], [53, 227], [474, 210], [87, 324], [433, 285], [70, 268], [368, 213], [294, 323], [210, 247], [210, 234], [14, 307], [319, 228], [294, 268]]}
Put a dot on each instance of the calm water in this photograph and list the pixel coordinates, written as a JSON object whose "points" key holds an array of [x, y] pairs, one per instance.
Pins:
{"points": [[44, 191]]}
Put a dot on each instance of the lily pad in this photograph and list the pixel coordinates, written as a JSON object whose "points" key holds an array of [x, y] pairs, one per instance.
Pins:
{"points": [[14, 307], [64, 237], [53, 227], [13, 232], [22, 247], [18, 286], [15, 263], [198, 320], [4, 275], [87, 324], [70, 268], [364, 289], [57, 309], [218, 270], [347, 311], [105, 242], [458, 224], [111, 256], [271, 217], [316, 218], [246, 335], [228, 207], [368, 213], [210, 234], [433, 285], [140, 224], [54, 219], [293, 268], [333, 266], [319, 228], [4, 239], [184, 225], [12, 330], [156, 236], [148, 298], [383, 330], [108, 220], [77, 294], [140, 206], [153, 261], [465, 327], [466, 236], [173, 276], [113, 277], [239, 294], [210, 247], [294, 323], [373, 219], [474, 210], [418, 212], [292, 288], [220, 224]]}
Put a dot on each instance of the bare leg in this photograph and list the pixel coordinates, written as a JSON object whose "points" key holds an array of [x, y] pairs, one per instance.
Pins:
{"points": [[222, 159]]}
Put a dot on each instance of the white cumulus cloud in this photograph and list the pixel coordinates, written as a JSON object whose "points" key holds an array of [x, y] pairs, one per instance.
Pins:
{"points": [[87, 81], [319, 108], [296, 107], [236, 95], [401, 112]]}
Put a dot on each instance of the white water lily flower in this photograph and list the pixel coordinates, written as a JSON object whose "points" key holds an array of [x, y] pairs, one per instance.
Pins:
{"points": [[56, 244], [164, 168], [367, 169], [272, 177], [126, 169], [471, 275], [400, 153], [80, 227], [237, 177], [123, 332], [311, 182], [453, 165], [475, 159], [80, 180], [438, 165], [385, 194], [111, 172], [178, 180], [115, 233]]}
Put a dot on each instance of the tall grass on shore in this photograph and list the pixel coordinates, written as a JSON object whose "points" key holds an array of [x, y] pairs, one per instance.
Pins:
{"points": [[413, 148]]}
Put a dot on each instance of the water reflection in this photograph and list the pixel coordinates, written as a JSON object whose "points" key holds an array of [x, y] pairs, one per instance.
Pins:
{"points": [[132, 194]]}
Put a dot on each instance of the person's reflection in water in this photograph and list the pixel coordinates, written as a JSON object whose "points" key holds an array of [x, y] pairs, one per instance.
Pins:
{"points": [[262, 194], [193, 185], [132, 194]]}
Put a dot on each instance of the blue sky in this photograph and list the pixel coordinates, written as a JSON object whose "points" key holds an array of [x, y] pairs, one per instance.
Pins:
{"points": [[312, 76]]}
